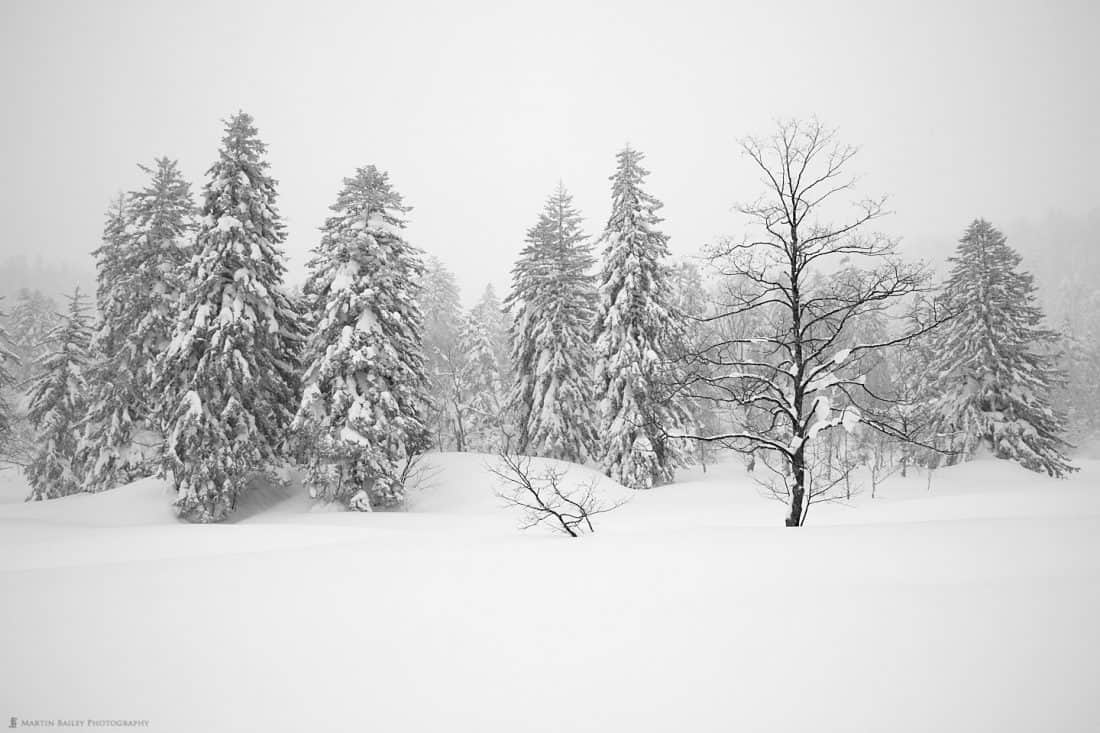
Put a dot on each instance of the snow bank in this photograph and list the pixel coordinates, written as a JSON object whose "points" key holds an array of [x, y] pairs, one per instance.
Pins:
{"points": [[691, 608]]}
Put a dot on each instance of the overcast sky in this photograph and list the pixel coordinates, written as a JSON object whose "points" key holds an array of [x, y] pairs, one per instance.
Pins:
{"points": [[476, 109]]}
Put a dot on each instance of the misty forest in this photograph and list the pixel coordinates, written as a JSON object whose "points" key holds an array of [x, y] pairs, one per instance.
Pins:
{"points": [[549, 368], [806, 345]]}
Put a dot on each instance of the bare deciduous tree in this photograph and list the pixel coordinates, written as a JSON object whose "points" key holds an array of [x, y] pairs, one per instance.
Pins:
{"points": [[802, 281], [543, 499]]}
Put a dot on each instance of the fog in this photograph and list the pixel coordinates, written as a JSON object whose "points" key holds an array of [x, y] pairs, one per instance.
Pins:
{"points": [[477, 109]]}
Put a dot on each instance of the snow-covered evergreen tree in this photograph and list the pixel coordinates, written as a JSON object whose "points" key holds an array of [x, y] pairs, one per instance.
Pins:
{"points": [[56, 405], [490, 311], [552, 304], [8, 361], [443, 353], [690, 301], [229, 376], [991, 372], [33, 319], [634, 328], [484, 389], [1079, 397], [145, 248], [363, 410]]}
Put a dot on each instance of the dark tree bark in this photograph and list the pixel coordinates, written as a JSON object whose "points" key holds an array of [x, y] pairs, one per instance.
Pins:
{"points": [[803, 282]]}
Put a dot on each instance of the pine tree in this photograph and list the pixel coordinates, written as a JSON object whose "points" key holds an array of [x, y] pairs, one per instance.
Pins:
{"points": [[1078, 398], [32, 321], [34, 317], [484, 388], [362, 414], [57, 404], [634, 328], [690, 305], [8, 360], [552, 303], [145, 248], [444, 358], [991, 372], [229, 376], [490, 312]]}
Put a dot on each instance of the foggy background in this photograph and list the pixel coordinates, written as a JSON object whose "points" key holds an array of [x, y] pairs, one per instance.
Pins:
{"points": [[477, 109]]}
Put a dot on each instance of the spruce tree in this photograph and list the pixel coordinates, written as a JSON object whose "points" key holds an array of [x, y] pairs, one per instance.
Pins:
{"points": [[483, 387], [362, 414], [145, 248], [690, 303], [443, 353], [229, 376], [1078, 398], [634, 329], [490, 312], [8, 361], [551, 304], [34, 318], [57, 403], [991, 369]]}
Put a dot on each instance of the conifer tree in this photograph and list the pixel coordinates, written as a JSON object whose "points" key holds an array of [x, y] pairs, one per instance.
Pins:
{"points": [[1078, 398], [56, 405], [490, 311], [991, 372], [145, 248], [551, 304], [8, 360], [634, 328], [445, 361], [484, 388], [690, 303], [229, 376], [362, 414], [34, 317]]}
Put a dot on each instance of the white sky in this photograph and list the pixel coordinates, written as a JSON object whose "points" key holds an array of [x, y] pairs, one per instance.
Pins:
{"points": [[476, 109]]}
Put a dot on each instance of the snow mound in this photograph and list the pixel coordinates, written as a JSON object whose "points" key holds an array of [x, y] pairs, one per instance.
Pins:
{"points": [[443, 483], [463, 483], [148, 501]]}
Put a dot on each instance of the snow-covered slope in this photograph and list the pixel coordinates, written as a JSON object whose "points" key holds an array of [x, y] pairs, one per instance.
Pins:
{"points": [[966, 604]]}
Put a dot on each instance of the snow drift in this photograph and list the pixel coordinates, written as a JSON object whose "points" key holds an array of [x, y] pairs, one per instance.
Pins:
{"points": [[969, 606]]}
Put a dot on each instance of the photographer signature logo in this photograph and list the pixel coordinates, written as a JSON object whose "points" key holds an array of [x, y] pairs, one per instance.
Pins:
{"points": [[13, 722]]}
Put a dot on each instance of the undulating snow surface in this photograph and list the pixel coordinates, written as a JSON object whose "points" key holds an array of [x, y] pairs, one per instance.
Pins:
{"points": [[969, 605]]}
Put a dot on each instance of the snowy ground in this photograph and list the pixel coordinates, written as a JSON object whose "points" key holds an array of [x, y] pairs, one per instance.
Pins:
{"points": [[969, 606]]}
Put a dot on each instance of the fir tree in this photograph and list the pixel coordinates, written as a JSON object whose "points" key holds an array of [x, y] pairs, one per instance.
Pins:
{"points": [[57, 404], [690, 304], [991, 373], [30, 324], [229, 376], [490, 311], [444, 358], [483, 387], [634, 327], [551, 304], [362, 414], [145, 248], [34, 318], [1079, 396], [8, 360]]}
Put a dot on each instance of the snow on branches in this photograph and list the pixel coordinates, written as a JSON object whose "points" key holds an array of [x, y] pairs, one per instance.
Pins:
{"points": [[633, 328], [363, 413], [802, 283], [229, 376]]}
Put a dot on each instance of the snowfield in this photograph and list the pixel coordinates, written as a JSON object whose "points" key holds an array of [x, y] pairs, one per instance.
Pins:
{"points": [[967, 604]]}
